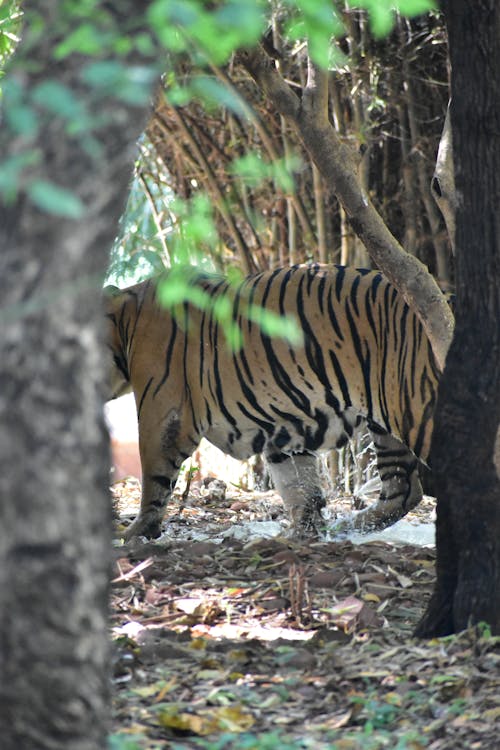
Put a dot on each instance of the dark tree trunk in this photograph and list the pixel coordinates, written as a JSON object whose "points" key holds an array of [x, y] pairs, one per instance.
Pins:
{"points": [[54, 465], [468, 413]]}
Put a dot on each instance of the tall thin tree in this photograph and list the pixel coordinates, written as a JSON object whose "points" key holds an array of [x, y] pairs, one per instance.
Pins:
{"points": [[467, 420]]}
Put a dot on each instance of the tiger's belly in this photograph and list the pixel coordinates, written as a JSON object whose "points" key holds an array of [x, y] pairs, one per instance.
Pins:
{"points": [[290, 433]]}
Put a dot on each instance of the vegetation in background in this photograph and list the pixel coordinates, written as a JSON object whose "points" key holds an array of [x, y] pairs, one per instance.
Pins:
{"points": [[213, 133], [210, 134], [50, 356], [10, 28]]}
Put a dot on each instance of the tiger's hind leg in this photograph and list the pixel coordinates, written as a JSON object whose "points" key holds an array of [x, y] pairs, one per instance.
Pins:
{"points": [[297, 479], [401, 488]]}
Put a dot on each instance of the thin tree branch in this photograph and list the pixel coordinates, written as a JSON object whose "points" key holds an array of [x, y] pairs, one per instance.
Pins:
{"points": [[315, 95], [338, 164], [320, 213], [222, 206], [253, 117], [151, 201]]}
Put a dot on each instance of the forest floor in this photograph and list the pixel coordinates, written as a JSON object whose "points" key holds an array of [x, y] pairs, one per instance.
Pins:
{"points": [[229, 641]]}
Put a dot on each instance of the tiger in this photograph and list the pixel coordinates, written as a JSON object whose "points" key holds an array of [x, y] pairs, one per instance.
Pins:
{"points": [[362, 357]]}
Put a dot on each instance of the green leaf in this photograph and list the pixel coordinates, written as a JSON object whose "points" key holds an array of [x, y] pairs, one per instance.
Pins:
{"points": [[11, 170], [179, 96], [19, 114], [86, 39], [166, 17], [250, 168], [55, 200], [145, 45], [253, 170], [185, 13], [233, 334], [275, 325], [381, 13], [239, 24], [57, 98], [282, 171], [195, 229], [222, 308], [215, 93], [22, 119], [215, 32], [132, 84], [317, 22], [415, 7]]}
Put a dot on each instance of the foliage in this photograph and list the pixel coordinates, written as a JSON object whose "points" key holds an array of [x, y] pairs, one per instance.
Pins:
{"points": [[229, 213], [211, 33], [177, 289], [138, 251], [382, 15], [254, 170], [260, 195], [214, 134], [35, 100], [10, 23], [193, 32]]}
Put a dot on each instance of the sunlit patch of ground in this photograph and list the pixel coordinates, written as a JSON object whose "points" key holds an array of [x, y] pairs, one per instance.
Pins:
{"points": [[208, 514], [234, 641]]}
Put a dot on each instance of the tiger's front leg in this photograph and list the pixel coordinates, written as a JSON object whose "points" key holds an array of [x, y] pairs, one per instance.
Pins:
{"points": [[156, 492], [162, 454], [296, 478]]}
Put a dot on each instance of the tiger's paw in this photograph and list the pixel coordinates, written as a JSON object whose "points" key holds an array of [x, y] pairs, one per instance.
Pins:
{"points": [[147, 524], [341, 529], [374, 518], [311, 526]]}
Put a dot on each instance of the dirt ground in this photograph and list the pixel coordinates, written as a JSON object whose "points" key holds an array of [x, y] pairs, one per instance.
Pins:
{"points": [[226, 640]]}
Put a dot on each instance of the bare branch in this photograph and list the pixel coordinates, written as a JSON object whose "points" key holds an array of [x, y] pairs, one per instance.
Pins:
{"points": [[443, 181], [241, 246], [338, 164], [315, 96], [156, 217], [267, 141]]}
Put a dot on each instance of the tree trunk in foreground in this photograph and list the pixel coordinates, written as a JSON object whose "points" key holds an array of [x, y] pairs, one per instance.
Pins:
{"points": [[55, 515], [468, 413]]}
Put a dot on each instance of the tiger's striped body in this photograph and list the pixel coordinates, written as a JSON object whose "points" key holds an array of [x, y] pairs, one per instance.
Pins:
{"points": [[364, 356]]}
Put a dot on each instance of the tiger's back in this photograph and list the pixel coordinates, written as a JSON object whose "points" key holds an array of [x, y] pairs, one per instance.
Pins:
{"points": [[363, 355]]}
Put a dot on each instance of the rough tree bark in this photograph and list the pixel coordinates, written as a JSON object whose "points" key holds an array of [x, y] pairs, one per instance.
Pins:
{"points": [[338, 164], [54, 466], [468, 413]]}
